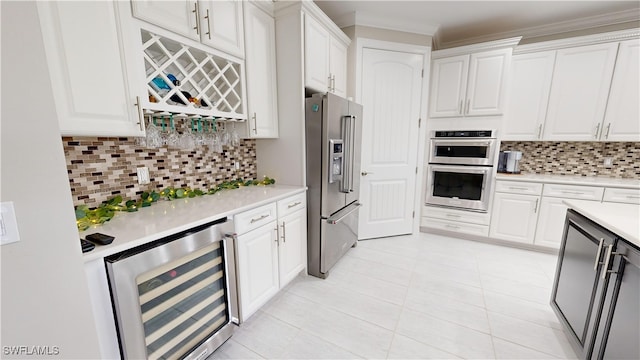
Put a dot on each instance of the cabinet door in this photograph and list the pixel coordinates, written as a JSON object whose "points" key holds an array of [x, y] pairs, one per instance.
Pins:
{"points": [[292, 253], [621, 119], [487, 81], [550, 222], [528, 95], [317, 42], [90, 72], [579, 90], [619, 331], [448, 86], [261, 73], [514, 217], [257, 268], [178, 16], [221, 25], [338, 67]]}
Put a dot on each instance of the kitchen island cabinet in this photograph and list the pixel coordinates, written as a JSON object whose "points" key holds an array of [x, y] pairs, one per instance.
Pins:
{"points": [[596, 287]]}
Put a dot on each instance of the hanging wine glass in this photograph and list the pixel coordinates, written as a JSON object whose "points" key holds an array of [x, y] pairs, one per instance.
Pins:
{"points": [[235, 137], [153, 139], [172, 135]]}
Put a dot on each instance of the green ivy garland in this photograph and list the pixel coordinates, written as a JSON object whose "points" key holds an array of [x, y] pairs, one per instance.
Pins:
{"points": [[86, 217]]}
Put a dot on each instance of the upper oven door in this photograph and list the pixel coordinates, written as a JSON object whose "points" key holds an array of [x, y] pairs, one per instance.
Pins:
{"points": [[467, 152]]}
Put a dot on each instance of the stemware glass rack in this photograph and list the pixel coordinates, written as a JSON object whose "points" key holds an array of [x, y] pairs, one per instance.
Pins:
{"points": [[181, 79]]}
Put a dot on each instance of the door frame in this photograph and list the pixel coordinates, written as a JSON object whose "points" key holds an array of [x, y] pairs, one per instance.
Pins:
{"points": [[425, 51]]}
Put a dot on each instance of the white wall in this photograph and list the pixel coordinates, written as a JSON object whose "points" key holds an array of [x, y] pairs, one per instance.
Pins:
{"points": [[44, 298]]}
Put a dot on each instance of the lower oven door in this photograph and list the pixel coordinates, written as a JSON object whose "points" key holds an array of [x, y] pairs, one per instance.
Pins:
{"points": [[176, 297], [464, 187]]}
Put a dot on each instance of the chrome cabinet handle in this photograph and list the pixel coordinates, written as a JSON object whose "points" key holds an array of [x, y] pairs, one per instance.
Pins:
{"points": [[294, 204], [539, 131], [597, 131], [605, 267], [255, 124], [518, 188], [606, 134], [284, 235], [208, 24], [333, 83], [277, 236], [140, 116], [452, 226], [633, 197], [260, 218], [595, 266], [452, 215], [572, 192], [329, 78], [195, 11]]}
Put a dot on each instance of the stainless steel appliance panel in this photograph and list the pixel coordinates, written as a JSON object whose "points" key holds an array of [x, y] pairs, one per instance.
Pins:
{"points": [[331, 120], [465, 151], [465, 187], [176, 297], [338, 234]]}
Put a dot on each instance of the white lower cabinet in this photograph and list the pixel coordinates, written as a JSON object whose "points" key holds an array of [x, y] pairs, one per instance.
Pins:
{"points": [[257, 268], [292, 250], [271, 250], [514, 217], [551, 222], [459, 221]]}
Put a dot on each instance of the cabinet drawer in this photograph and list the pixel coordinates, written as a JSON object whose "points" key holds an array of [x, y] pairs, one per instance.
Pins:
{"points": [[457, 215], [627, 196], [573, 192], [473, 229], [292, 204], [517, 187], [254, 218]]}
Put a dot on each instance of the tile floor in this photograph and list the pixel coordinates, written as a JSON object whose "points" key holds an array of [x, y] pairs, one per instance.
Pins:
{"points": [[412, 297]]}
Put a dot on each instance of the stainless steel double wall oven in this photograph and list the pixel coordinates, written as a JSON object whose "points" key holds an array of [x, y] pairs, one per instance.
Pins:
{"points": [[461, 169]]}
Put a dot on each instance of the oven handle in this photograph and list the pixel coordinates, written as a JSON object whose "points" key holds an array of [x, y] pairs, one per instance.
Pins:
{"points": [[462, 169]]}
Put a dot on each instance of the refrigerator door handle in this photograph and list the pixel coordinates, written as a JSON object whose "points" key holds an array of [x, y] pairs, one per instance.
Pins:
{"points": [[347, 177], [339, 217], [352, 151]]}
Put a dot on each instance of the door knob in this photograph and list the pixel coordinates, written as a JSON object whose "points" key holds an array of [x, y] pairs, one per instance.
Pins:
{"points": [[364, 173]]}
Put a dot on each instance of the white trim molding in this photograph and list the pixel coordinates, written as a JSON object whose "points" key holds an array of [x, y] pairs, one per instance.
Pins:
{"points": [[578, 41], [468, 49]]}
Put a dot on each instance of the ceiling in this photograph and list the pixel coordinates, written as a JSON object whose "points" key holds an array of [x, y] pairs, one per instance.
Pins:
{"points": [[454, 23]]}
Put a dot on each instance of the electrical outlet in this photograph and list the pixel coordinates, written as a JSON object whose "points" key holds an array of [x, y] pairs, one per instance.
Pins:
{"points": [[143, 175], [237, 165], [608, 162]]}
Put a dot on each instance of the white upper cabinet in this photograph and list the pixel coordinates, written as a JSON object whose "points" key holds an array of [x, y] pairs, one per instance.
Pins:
{"points": [[90, 71], [216, 23], [578, 98], [260, 66], [448, 86], [622, 117], [338, 67], [325, 59], [469, 85], [222, 26], [528, 96], [178, 16]]}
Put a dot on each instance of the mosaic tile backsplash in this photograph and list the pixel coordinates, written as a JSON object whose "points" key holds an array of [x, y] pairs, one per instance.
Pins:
{"points": [[100, 168], [578, 158]]}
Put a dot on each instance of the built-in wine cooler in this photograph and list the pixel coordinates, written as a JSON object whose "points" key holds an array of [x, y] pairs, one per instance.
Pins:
{"points": [[176, 298]]}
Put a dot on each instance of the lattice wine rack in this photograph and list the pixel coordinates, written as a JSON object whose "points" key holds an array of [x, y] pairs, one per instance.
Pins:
{"points": [[183, 79]]}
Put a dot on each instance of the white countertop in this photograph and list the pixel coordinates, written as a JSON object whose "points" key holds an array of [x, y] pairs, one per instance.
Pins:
{"points": [[165, 218], [572, 180], [621, 219]]}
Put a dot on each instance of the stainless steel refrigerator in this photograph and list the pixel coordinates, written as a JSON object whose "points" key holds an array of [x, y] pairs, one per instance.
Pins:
{"points": [[333, 137]]}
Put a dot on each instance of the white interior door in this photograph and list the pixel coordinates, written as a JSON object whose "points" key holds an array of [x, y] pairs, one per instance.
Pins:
{"points": [[391, 94]]}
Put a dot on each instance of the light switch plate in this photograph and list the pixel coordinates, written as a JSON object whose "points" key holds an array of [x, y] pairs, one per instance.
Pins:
{"points": [[8, 224]]}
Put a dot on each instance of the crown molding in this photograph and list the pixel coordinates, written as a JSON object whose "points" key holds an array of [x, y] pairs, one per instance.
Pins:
{"points": [[578, 41], [382, 22], [581, 24], [283, 8], [468, 49]]}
